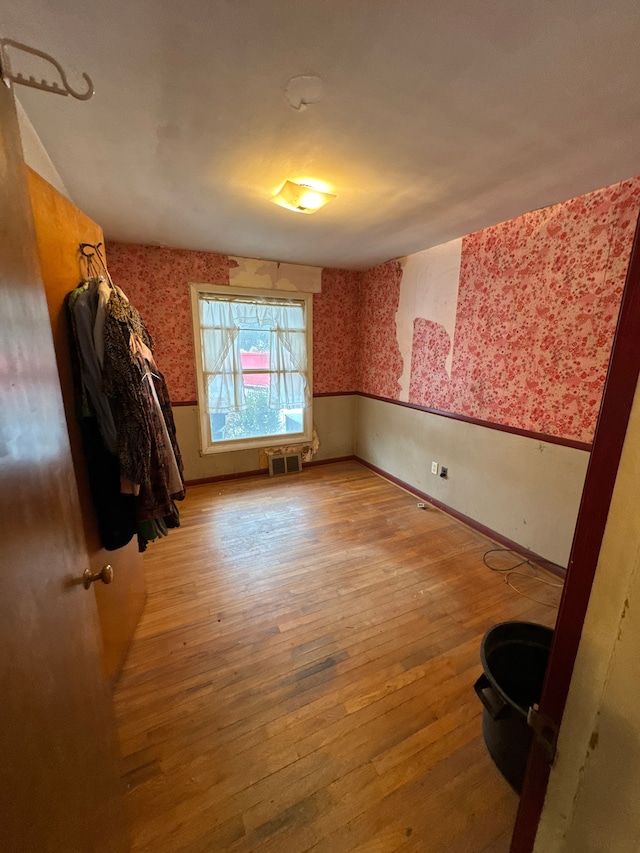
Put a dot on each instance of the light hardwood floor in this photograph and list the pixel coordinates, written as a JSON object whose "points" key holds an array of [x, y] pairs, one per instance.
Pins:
{"points": [[302, 675]]}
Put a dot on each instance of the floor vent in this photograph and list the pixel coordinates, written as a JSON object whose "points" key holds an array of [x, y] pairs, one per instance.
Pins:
{"points": [[284, 463]]}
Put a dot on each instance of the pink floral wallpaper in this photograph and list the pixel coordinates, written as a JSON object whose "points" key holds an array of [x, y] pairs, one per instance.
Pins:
{"points": [[336, 320], [537, 306], [380, 358], [430, 384], [157, 282]]}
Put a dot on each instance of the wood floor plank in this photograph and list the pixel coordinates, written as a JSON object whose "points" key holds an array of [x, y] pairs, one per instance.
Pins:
{"points": [[302, 677]]}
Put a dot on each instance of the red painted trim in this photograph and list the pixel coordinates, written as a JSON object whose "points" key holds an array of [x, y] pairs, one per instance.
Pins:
{"points": [[262, 471], [175, 403], [328, 461], [538, 436], [336, 394], [220, 477], [611, 428], [470, 522]]}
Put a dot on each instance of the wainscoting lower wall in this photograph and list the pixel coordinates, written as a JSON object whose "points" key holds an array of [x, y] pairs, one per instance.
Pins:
{"points": [[524, 489]]}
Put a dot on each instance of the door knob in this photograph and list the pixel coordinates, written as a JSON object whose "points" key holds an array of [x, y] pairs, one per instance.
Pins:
{"points": [[105, 575]]}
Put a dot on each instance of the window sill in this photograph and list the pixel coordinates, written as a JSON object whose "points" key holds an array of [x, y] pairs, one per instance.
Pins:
{"points": [[270, 441]]}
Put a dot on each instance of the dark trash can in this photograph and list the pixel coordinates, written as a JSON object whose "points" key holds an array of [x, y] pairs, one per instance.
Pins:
{"points": [[514, 657]]}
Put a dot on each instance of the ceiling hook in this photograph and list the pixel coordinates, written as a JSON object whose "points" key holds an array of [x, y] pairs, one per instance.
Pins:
{"points": [[44, 85]]}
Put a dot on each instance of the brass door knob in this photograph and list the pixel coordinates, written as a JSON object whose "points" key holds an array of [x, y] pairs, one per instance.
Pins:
{"points": [[105, 575]]}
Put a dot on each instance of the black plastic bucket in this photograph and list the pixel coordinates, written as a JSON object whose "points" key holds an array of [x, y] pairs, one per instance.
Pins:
{"points": [[514, 657]]}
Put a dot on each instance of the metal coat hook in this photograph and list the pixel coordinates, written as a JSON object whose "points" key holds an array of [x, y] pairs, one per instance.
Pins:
{"points": [[94, 246], [92, 271], [90, 259], [44, 85]]}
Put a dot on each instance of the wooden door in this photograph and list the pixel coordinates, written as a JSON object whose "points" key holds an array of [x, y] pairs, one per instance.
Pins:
{"points": [[60, 228], [59, 779]]}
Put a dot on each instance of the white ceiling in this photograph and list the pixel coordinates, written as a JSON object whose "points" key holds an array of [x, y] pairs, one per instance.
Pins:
{"points": [[438, 117]]}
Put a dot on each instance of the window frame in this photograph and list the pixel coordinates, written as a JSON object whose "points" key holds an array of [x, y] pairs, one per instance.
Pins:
{"points": [[207, 446]]}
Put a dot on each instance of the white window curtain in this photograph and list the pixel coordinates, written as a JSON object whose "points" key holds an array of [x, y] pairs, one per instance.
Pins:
{"points": [[220, 322]]}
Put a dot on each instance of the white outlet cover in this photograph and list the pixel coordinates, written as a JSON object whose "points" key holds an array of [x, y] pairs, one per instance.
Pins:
{"points": [[434, 467]]}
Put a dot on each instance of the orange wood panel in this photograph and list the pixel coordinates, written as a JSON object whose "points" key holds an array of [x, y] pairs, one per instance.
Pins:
{"points": [[60, 228]]}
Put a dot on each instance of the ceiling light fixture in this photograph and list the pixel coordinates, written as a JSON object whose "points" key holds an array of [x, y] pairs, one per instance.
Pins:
{"points": [[303, 198]]}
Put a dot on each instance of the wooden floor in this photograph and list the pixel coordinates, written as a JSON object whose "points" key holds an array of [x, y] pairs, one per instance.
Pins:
{"points": [[302, 676]]}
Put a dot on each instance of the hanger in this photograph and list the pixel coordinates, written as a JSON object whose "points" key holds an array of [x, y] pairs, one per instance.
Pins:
{"points": [[93, 271], [44, 85]]}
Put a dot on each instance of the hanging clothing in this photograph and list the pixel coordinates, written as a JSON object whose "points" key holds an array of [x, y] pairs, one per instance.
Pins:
{"points": [[104, 294], [84, 311], [133, 459], [148, 451], [122, 376], [115, 512]]}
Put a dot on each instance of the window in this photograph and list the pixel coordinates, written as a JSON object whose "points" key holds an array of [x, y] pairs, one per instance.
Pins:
{"points": [[253, 366]]}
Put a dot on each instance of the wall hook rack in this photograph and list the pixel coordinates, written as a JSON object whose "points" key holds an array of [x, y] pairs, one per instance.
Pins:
{"points": [[58, 88]]}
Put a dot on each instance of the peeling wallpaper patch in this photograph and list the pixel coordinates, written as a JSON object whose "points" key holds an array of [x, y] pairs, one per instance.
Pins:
{"points": [[429, 293], [268, 275]]}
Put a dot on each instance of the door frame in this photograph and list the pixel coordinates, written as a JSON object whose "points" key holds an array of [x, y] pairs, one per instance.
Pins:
{"points": [[619, 390]]}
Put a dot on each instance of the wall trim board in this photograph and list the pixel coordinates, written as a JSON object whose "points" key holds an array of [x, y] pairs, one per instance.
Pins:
{"points": [[313, 462], [262, 471], [184, 402], [538, 436], [217, 478], [550, 566]]}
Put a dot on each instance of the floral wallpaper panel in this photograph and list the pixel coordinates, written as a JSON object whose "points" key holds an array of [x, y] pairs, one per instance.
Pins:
{"points": [[380, 359], [538, 303], [336, 322]]}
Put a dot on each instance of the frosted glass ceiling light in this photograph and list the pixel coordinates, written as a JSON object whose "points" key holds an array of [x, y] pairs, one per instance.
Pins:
{"points": [[301, 197]]}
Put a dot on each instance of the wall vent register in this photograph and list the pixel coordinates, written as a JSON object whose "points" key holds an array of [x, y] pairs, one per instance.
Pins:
{"points": [[284, 463]]}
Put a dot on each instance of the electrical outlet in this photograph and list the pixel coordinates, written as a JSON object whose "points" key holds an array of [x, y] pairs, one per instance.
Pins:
{"points": [[434, 467], [444, 472]]}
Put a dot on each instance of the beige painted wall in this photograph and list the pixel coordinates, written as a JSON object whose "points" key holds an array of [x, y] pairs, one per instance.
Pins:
{"points": [[524, 489], [334, 419], [593, 798]]}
